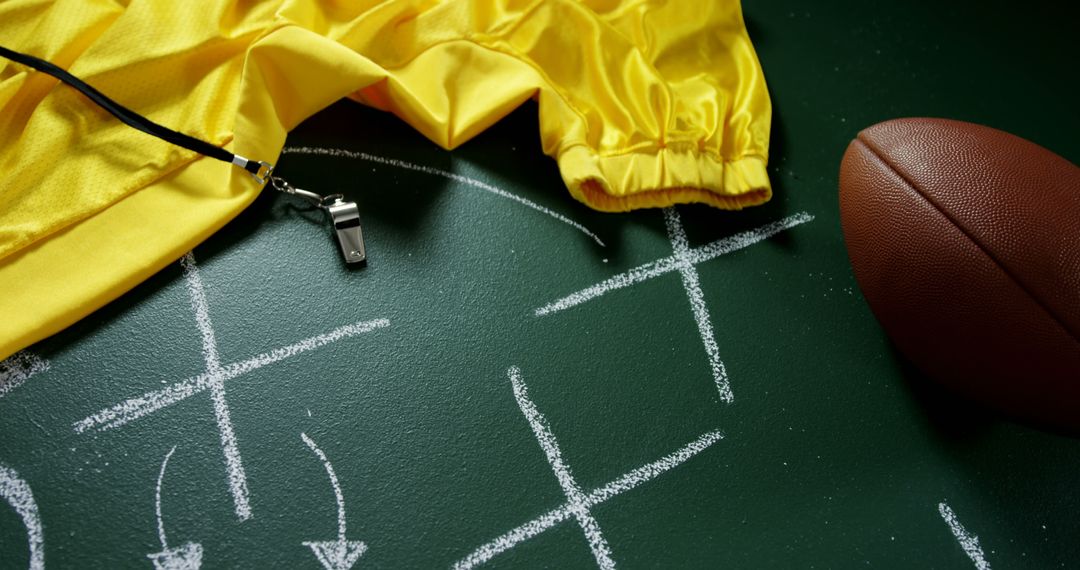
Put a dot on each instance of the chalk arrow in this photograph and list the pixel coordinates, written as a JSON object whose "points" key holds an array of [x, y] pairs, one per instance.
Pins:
{"points": [[17, 493], [186, 557], [337, 554], [18, 369]]}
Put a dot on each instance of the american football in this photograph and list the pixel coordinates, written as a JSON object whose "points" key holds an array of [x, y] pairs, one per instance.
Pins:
{"points": [[965, 241]]}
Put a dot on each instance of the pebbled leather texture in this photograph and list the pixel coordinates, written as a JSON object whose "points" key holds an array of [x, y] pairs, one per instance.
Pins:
{"points": [[965, 241]]}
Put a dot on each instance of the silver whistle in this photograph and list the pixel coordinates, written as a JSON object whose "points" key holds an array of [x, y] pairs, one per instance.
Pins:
{"points": [[346, 219], [345, 216]]}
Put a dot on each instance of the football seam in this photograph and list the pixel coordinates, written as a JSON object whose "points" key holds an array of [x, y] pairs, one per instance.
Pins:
{"points": [[917, 191]]}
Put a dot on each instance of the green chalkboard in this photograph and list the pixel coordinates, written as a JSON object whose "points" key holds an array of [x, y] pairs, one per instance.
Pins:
{"points": [[517, 381]]}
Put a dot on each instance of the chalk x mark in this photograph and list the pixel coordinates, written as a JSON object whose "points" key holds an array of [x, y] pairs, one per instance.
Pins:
{"points": [[969, 542], [342, 153], [213, 379], [684, 260], [185, 557], [18, 368], [17, 494], [340, 554], [584, 502]]}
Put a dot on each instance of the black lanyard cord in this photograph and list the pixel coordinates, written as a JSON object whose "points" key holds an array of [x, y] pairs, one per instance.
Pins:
{"points": [[259, 170], [344, 215]]}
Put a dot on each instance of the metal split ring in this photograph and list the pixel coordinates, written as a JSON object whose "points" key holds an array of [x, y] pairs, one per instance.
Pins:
{"points": [[282, 185], [330, 199]]}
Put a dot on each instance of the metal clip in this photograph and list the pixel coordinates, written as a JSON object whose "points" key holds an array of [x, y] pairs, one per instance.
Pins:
{"points": [[344, 215], [266, 171]]}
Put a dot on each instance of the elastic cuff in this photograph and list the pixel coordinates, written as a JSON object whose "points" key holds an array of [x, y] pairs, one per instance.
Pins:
{"points": [[663, 178]]}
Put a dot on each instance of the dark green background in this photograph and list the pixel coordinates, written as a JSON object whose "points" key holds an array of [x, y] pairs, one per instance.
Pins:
{"points": [[836, 453]]}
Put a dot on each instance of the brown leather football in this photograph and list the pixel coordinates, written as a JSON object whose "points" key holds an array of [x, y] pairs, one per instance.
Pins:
{"points": [[965, 241]]}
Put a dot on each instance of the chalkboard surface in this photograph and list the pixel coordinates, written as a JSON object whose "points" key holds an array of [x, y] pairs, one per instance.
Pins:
{"points": [[517, 381]]}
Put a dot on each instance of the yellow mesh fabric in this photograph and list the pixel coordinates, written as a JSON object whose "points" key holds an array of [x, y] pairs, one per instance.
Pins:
{"points": [[642, 103]]}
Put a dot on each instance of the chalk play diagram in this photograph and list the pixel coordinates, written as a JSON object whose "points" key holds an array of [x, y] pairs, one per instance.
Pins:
{"points": [[347, 548]]}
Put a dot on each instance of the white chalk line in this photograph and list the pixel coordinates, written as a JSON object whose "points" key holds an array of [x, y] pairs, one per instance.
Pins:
{"points": [[650, 471], [575, 497], [672, 263], [617, 487], [17, 493], [157, 500], [333, 482], [620, 281], [692, 284], [150, 402], [342, 153], [201, 308], [234, 466], [18, 368], [969, 542]]}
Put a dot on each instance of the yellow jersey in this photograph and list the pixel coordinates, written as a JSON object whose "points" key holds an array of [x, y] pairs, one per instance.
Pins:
{"points": [[643, 103]]}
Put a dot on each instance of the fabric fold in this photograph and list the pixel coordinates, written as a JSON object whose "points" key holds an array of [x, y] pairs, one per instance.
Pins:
{"points": [[662, 178]]}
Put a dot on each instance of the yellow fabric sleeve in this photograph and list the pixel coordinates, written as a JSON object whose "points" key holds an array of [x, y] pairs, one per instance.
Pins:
{"points": [[643, 104]]}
